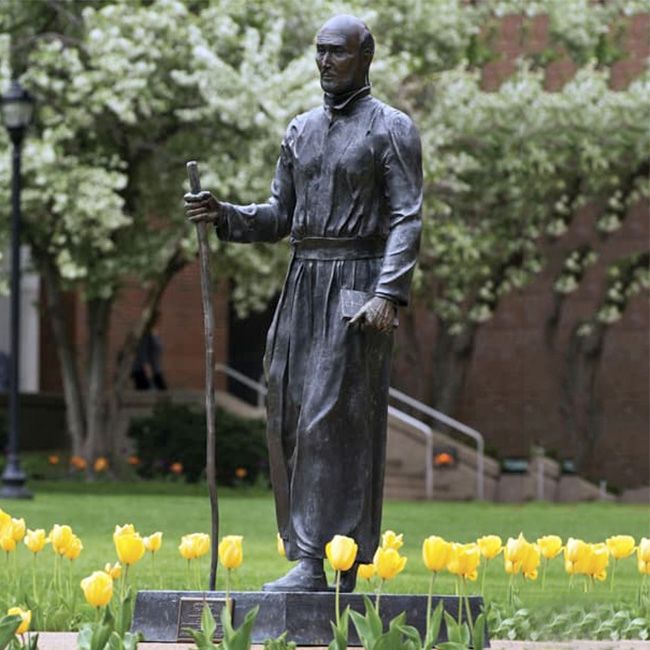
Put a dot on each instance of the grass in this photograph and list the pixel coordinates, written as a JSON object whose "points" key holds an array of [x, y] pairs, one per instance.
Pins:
{"points": [[174, 508]]}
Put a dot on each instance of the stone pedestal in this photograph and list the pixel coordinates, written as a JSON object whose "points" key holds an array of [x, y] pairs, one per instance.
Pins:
{"points": [[161, 616]]}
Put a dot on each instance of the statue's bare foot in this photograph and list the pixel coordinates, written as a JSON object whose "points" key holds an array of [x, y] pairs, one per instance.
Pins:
{"points": [[307, 575]]}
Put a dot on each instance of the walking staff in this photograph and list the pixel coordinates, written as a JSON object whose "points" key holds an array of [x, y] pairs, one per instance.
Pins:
{"points": [[208, 326]]}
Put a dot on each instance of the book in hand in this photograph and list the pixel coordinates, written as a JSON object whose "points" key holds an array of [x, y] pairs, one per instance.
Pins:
{"points": [[352, 301]]}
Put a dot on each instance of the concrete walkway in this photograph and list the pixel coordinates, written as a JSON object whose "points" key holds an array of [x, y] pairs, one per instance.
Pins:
{"points": [[68, 641]]}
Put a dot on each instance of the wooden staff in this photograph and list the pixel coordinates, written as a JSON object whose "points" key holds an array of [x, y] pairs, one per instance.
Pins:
{"points": [[208, 326]]}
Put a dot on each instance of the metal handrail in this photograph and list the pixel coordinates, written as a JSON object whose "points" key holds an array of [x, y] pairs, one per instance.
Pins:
{"points": [[427, 431], [457, 426], [242, 378], [396, 413]]}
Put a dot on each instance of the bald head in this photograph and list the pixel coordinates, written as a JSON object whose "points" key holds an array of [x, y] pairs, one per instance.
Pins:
{"points": [[344, 51]]}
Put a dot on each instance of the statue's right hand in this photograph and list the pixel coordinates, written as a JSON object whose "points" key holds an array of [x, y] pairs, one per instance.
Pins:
{"points": [[202, 207]]}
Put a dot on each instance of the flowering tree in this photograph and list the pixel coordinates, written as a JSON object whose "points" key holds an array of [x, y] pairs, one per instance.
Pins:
{"points": [[129, 91]]}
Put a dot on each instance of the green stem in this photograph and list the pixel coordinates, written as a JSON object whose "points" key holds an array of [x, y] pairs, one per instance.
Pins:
{"points": [[379, 588], [485, 568], [544, 573], [34, 575], [336, 599], [429, 599], [611, 581], [510, 591], [228, 589], [188, 576], [459, 591], [467, 609]]}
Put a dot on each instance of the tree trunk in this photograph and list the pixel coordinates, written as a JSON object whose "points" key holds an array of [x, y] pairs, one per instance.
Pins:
{"points": [[127, 353], [73, 395], [99, 311], [452, 355], [581, 408]]}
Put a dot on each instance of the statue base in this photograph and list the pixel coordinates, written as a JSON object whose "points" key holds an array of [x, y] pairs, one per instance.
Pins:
{"points": [[163, 616]]}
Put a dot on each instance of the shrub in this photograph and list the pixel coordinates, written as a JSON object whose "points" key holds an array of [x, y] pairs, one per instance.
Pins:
{"points": [[176, 434]]}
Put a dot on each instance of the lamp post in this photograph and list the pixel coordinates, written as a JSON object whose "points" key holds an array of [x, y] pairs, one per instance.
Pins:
{"points": [[17, 108]]}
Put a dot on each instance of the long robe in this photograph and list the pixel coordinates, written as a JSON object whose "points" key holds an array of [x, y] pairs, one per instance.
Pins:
{"points": [[348, 192]]}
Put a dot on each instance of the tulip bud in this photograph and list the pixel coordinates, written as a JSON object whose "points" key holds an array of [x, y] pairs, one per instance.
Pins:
{"points": [[366, 571], [643, 556], [490, 545], [621, 546], [231, 552], [60, 536], [464, 560], [153, 542], [388, 563], [129, 546], [115, 570], [98, 588], [341, 552], [74, 548], [35, 540], [391, 540], [25, 615], [279, 545], [8, 543], [194, 545], [18, 529], [550, 546], [435, 553]]}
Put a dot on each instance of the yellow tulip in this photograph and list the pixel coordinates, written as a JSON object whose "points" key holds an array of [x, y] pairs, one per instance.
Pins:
{"points": [[341, 552], [194, 545], [74, 548], [231, 551], [35, 540], [129, 546], [153, 542], [435, 553], [576, 553], [18, 528], [5, 522], [550, 546], [115, 570], [464, 560], [388, 563], [126, 529], [531, 561], [391, 540], [366, 571], [8, 543], [596, 567], [25, 615], [98, 588], [643, 556], [490, 545], [279, 545], [514, 553], [60, 536], [621, 546]]}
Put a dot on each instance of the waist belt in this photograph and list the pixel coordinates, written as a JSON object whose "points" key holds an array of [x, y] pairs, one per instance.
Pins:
{"points": [[333, 248]]}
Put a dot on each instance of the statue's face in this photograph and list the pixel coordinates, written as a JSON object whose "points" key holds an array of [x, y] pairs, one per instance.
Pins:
{"points": [[341, 64]]}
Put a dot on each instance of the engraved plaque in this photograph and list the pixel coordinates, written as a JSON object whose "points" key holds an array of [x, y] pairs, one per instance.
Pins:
{"points": [[189, 615]]}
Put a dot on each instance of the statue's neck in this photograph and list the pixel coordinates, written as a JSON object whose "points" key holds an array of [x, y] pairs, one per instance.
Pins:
{"points": [[342, 101]]}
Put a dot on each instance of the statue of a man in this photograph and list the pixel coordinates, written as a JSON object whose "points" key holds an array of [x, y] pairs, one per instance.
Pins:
{"points": [[348, 193]]}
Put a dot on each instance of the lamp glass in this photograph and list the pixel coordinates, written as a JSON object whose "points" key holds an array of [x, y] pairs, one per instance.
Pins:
{"points": [[17, 114]]}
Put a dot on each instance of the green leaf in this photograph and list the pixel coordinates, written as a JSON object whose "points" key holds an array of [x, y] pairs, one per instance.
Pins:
{"points": [[412, 635], [340, 632], [451, 645], [478, 634], [433, 629], [131, 640], [453, 629], [125, 616], [8, 627], [84, 638], [115, 642]]}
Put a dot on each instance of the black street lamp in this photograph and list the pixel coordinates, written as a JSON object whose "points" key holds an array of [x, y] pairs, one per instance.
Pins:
{"points": [[17, 107]]}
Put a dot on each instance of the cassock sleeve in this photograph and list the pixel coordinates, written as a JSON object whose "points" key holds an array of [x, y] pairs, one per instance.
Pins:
{"points": [[270, 221], [402, 166]]}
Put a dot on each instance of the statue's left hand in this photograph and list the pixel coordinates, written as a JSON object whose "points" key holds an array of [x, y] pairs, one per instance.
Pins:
{"points": [[378, 313]]}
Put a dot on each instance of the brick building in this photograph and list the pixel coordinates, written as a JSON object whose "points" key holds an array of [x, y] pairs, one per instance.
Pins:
{"points": [[513, 391]]}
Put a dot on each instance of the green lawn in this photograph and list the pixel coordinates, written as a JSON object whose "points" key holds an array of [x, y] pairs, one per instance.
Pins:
{"points": [[176, 509]]}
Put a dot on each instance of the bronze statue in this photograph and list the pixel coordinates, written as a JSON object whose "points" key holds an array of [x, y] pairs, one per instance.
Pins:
{"points": [[348, 193]]}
